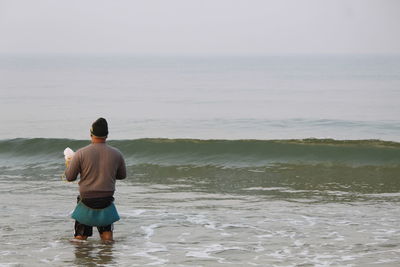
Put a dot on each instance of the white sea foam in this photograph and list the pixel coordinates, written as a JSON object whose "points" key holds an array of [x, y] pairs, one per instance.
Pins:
{"points": [[11, 264], [311, 221], [132, 213], [154, 259], [201, 219], [256, 170], [181, 237], [206, 252], [149, 230], [265, 189]]}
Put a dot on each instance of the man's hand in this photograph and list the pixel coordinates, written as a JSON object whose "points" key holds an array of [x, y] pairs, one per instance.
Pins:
{"points": [[68, 161]]}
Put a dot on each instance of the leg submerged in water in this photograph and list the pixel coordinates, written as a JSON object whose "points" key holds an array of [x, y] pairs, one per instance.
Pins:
{"points": [[82, 231], [80, 238], [106, 232], [107, 236]]}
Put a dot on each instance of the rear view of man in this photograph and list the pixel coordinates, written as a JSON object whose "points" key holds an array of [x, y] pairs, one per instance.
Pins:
{"points": [[99, 166]]}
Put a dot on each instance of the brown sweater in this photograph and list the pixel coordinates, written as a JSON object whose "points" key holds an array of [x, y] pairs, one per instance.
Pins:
{"points": [[99, 165]]}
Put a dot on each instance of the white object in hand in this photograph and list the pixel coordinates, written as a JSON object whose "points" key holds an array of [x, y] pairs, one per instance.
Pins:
{"points": [[68, 153]]}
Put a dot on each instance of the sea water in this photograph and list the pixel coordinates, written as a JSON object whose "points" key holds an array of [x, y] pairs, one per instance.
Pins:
{"points": [[232, 161], [266, 97]]}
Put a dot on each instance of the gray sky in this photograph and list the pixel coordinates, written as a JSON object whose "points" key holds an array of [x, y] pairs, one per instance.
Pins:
{"points": [[199, 27]]}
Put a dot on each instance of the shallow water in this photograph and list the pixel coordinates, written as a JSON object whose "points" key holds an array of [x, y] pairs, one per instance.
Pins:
{"points": [[184, 223]]}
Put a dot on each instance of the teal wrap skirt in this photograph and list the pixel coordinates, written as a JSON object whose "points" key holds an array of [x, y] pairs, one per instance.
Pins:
{"points": [[95, 217]]}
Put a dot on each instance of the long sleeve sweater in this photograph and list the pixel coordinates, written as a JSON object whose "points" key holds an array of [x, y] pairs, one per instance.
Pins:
{"points": [[99, 166]]}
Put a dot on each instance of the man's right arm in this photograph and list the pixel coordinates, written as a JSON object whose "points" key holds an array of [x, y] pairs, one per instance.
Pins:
{"points": [[73, 169], [121, 172]]}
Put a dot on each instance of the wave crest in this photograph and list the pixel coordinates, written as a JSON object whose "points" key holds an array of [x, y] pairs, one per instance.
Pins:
{"points": [[229, 153]]}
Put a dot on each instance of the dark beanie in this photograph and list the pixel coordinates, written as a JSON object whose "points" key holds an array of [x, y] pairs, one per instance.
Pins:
{"points": [[99, 128]]}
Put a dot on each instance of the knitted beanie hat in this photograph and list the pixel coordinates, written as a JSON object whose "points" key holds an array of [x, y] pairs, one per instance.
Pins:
{"points": [[99, 128]]}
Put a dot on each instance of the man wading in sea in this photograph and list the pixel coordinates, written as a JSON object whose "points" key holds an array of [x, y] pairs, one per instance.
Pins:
{"points": [[99, 166]]}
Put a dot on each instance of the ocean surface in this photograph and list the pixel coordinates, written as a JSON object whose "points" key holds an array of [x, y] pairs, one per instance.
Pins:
{"points": [[232, 161]]}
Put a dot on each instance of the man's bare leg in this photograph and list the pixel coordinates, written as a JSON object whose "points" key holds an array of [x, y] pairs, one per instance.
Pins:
{"points": [[107, 236], [80, 237]]}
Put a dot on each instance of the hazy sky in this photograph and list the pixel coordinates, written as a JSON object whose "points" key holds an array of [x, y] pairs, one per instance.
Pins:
{"points": [[199, 27]]}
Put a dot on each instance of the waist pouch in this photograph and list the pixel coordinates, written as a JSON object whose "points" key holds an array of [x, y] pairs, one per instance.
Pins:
{"points": [[95, 217], [96, 203]]}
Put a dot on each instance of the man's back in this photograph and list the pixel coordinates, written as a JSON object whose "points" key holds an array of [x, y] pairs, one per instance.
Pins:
{"points": [[99, 165]]}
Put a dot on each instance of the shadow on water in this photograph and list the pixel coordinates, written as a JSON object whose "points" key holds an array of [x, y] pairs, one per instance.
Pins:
{"points": [[94, 254]]}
